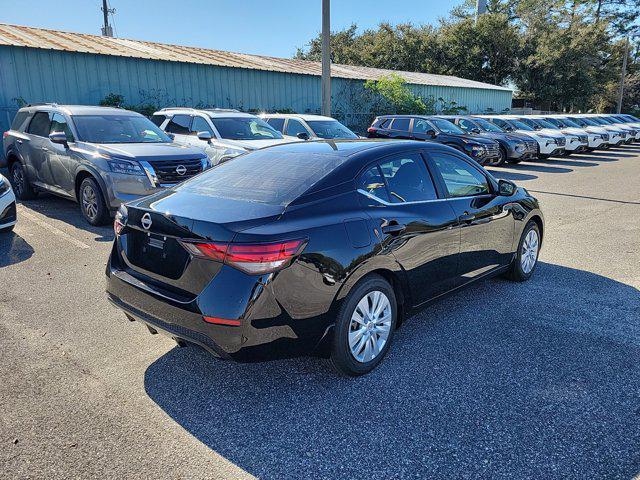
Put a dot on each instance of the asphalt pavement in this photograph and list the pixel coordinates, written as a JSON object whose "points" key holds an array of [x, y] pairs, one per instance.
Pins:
{"points": [[501, 380]]}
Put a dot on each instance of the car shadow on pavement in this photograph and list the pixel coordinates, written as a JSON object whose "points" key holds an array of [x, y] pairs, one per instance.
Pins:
{"points": [[69, 212], [13, 249], [548, 166], [522, 380], [506, 175]]}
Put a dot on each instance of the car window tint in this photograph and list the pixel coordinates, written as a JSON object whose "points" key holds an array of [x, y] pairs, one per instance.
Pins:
{"points": [[39, 124], [400, 124], [373, 183], [466, 125], [385, 123], [19, 120], [59, 124], [276, 123], [179, 124], [294, 127], [421, 126], [200, 125], [460, 178], [408, 179], [158, 119], [500, 123]]}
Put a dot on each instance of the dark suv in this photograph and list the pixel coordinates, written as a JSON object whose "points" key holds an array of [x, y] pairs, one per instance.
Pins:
{"points": [[436, 129], [100, 157], [514, 147]]}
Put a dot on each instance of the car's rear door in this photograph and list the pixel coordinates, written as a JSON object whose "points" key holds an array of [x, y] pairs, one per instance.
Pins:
{"points": [[485, 218], [413, 222], [399, 128]]}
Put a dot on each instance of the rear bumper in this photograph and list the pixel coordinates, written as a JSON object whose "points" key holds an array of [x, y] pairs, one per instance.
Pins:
{"points": [[8, 215], [266, 330]]}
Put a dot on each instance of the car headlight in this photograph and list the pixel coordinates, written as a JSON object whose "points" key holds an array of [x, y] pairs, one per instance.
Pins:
{"points": [[124, 167], [5, 186]]}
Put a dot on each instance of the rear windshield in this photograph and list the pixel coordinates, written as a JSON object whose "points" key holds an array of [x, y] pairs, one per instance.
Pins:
{"points": [[118, 129], [264, 176]]}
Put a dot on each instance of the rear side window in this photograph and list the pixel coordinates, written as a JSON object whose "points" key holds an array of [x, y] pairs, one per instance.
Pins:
{"points": [[294, 127], [158, 119], [19, 120], [408, 179], [180, 124], [265, 176], [59, 124], [460, 178], [277, 123], [39, 124], [400, 124]]}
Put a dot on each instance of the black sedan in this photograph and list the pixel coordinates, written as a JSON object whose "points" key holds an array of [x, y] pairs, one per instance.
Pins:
{"points": [[322, 247], [435, 129]]}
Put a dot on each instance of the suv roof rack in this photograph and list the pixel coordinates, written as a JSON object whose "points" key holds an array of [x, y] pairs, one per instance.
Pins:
{"points": [[51, 104], [166, 109], [221, 110]]}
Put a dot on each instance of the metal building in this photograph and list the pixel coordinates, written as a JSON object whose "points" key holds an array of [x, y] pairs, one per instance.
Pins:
{"points": [[39, 65]]}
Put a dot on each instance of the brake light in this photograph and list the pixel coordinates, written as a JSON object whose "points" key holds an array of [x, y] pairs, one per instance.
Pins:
{"points": [[5, 134], [371, 129], [117, 226], [251, 258], [222, 321]]}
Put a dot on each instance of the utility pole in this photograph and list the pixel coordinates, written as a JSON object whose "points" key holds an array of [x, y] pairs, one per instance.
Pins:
{"points": [[481, 7], [107, 31], [623, 74], [326, 58]]}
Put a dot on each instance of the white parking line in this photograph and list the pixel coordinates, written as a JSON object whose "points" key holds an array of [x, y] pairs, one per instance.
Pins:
{"points": [[56, 231]]}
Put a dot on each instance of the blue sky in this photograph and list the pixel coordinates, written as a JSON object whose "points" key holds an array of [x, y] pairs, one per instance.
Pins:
{"points": [[273, 27]]}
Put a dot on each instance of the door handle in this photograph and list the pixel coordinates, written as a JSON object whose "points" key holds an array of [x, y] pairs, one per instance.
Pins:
{"points": [[393, 228], [467, 217]]}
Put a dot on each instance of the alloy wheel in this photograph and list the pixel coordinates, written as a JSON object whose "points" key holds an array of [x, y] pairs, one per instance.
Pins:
{"points": [[370, 326], [529, 252], [18, 180], [90, 202]]}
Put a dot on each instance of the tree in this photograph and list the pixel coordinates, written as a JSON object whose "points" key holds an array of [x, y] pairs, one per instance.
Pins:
{"points": [[394, 97]]}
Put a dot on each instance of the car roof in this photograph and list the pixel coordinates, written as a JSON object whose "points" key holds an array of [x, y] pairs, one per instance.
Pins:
{"points": [[79, 109], [303, 116], [211, 112]]}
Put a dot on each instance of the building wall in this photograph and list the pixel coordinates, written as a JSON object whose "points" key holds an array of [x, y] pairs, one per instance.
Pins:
{"points": [[36, 75]]}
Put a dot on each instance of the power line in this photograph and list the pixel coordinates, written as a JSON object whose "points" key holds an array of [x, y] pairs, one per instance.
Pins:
{"points": [[107, 30]]}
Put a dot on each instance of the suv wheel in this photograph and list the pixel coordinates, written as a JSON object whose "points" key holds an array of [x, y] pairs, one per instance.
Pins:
{"points": [[21, 186], [92, 203], [365, 327]]}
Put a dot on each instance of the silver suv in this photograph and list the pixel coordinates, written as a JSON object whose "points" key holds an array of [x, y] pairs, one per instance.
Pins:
{"points": [[223, 134], [98, 156]]}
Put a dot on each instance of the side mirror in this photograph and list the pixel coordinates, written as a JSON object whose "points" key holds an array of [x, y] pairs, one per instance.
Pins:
{"points": [[431, 133], [303, 136], [475, 130], [59, 137], [205, 136], [506, 188]]}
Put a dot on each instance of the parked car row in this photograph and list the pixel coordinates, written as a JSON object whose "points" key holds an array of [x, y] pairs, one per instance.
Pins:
{"points": [[103, 157]]}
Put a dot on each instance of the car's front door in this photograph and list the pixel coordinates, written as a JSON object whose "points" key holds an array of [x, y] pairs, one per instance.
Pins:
{"points": [[413, 222], [62, 163], [485, 218], [37, 150]]}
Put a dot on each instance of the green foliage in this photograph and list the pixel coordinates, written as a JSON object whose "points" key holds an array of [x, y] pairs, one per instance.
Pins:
{"points": [[394, 97]]}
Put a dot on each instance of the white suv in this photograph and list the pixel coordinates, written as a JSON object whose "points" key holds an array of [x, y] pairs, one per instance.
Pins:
{"points": [[308, 127], [222, 134]]}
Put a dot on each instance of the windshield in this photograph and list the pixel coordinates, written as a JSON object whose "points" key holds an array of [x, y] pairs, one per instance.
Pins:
{"points": [[446, 126], [118, 129], [601, 121], [330, 129], [245, 128], [570, 123], [487, 126], [265, 176], [531, 122], [584, 122], [550, 123], [518, 125]]}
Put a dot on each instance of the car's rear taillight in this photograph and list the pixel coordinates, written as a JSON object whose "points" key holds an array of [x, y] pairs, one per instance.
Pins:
{"points": [[121, 220], [371, 129], [5, 134], [251, 258]]}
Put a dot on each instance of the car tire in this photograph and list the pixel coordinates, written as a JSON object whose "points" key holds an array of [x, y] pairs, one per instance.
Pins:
{"points": [[361, 330], [543, 156], [21, 186], [526, 258], [92, 204]]}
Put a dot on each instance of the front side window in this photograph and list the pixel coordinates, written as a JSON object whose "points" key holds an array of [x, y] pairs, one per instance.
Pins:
{"points": [[158, 119], [401, 124], [118, 129], [245, 128], [487, 126], [460, 178], [446, 126], [179, 124], [408, 179], [59, 124], [501, 123], [277, 124], [200, 125], [330, 129], [294, 127], [39, 124], [466, 125], [422, 126]]}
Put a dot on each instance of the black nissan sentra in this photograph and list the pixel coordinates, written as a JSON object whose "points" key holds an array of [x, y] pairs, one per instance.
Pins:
{"points": [[317, 248]]}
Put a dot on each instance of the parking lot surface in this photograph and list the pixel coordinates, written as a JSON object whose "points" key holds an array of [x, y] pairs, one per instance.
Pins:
{"points": [[532, 380]]}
